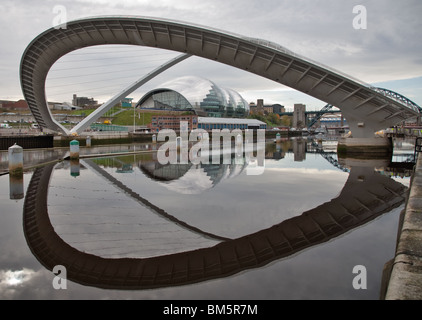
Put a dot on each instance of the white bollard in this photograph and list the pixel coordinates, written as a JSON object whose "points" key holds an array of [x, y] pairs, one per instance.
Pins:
{"points": [[74, 150], [88, 142], [16, 160]]}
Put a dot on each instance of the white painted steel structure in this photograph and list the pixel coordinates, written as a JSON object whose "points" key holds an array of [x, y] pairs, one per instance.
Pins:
{"points": [[366, 109]]}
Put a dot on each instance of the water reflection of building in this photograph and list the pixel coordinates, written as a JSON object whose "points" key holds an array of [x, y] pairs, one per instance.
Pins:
{"points": [[189, 178], [277, 151], [299, 150]]}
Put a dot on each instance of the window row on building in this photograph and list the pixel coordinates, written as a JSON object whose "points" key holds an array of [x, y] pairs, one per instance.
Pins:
{"points": [[211, 126]]}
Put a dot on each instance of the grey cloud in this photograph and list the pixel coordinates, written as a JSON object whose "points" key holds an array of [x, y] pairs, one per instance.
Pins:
{"points": [[321, 30]]}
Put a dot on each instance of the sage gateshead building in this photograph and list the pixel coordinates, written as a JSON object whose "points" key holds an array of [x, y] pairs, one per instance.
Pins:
{"points": [[202, 96]]}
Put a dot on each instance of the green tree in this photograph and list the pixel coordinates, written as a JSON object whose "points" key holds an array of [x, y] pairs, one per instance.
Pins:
{"points": [[286, 121], [274, 118], [258, 117]]}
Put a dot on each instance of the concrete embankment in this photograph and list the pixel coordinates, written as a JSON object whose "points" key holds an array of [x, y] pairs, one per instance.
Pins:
{"points": [[404, 277]]}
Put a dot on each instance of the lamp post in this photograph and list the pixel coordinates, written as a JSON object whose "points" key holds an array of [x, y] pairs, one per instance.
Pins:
{"points": [[134, 119]]}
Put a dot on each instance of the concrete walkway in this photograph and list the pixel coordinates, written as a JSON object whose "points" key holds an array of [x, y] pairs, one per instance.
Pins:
{"points": [[405, 281]]}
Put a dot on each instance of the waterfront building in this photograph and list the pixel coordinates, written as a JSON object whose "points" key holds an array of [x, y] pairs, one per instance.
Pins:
{"points": [[209, 123], [201, 96], [172, 122]]}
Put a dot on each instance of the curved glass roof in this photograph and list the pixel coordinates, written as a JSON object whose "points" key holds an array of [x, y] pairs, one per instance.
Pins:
{"points": [[204, 96]]}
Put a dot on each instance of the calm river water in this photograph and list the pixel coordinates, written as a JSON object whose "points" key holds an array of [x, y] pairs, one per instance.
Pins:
{"points": [[127, 227]]}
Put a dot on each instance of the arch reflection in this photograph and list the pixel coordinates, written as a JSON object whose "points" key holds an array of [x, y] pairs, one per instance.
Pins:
{"points": [[365, 196]]}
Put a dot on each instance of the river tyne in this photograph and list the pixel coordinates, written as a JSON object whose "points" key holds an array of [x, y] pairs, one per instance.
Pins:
{"points": [[127, 227]]}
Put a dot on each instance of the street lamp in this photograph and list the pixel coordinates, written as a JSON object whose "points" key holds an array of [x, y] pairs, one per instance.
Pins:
{"points": [[134, 119]]}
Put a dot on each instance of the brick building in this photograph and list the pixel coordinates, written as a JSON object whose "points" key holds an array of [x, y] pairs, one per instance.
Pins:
{"points": [[20, 105], [172, 122]]}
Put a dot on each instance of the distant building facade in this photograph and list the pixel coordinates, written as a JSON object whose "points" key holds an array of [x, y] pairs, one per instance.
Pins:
{"points": [[278, 108], [126, 103], [299, 117], [65, 106], [261, 108], [172, 122], [20, 105], [84, 102]]}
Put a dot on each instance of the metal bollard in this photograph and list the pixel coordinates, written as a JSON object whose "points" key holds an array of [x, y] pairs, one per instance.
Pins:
{"points": [[88, 142]]}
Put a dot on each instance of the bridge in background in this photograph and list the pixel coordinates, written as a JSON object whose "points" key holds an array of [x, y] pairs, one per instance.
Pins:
{"points": [[314, 116], [367, 109]]}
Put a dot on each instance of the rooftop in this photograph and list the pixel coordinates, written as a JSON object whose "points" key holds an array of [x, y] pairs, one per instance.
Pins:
{"points": [[229, 121]]}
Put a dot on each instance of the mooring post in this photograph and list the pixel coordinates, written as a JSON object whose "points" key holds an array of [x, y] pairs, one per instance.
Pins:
{"points": [[88, 141], [16, 172], [74, 150], [16, 160]]}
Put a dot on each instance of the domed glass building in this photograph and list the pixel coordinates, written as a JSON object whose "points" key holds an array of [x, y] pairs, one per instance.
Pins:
{"points": [[196, 94]]}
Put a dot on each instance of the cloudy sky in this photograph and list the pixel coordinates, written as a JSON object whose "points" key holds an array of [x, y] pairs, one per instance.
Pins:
{"points": [[387, 53]]}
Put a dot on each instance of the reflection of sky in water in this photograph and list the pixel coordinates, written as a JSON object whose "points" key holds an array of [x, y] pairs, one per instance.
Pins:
{"points": [[86, 210], [96, 217], [244, 204]]}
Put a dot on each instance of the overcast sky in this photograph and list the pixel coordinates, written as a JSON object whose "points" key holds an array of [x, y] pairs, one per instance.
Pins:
{"points": [[388, 53]]}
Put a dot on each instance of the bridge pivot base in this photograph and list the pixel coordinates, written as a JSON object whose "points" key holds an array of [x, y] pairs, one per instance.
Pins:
{"points": [[364, 148]]}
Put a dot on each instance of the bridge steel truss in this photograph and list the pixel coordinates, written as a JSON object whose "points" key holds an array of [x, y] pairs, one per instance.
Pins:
{"points": [[387, 92], [366, 109]]}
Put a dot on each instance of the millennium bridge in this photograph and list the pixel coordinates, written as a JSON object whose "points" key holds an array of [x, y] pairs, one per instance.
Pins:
{"points": [[367, 109]]}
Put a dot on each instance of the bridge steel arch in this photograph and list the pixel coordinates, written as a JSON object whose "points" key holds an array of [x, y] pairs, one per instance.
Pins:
{"points": [[365, 109]]}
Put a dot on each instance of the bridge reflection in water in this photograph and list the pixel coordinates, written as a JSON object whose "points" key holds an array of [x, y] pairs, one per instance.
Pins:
{"points": [[366, 195]]}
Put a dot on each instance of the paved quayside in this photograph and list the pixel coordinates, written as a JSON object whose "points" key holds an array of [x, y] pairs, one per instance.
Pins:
{"points": [[405, 279]]}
